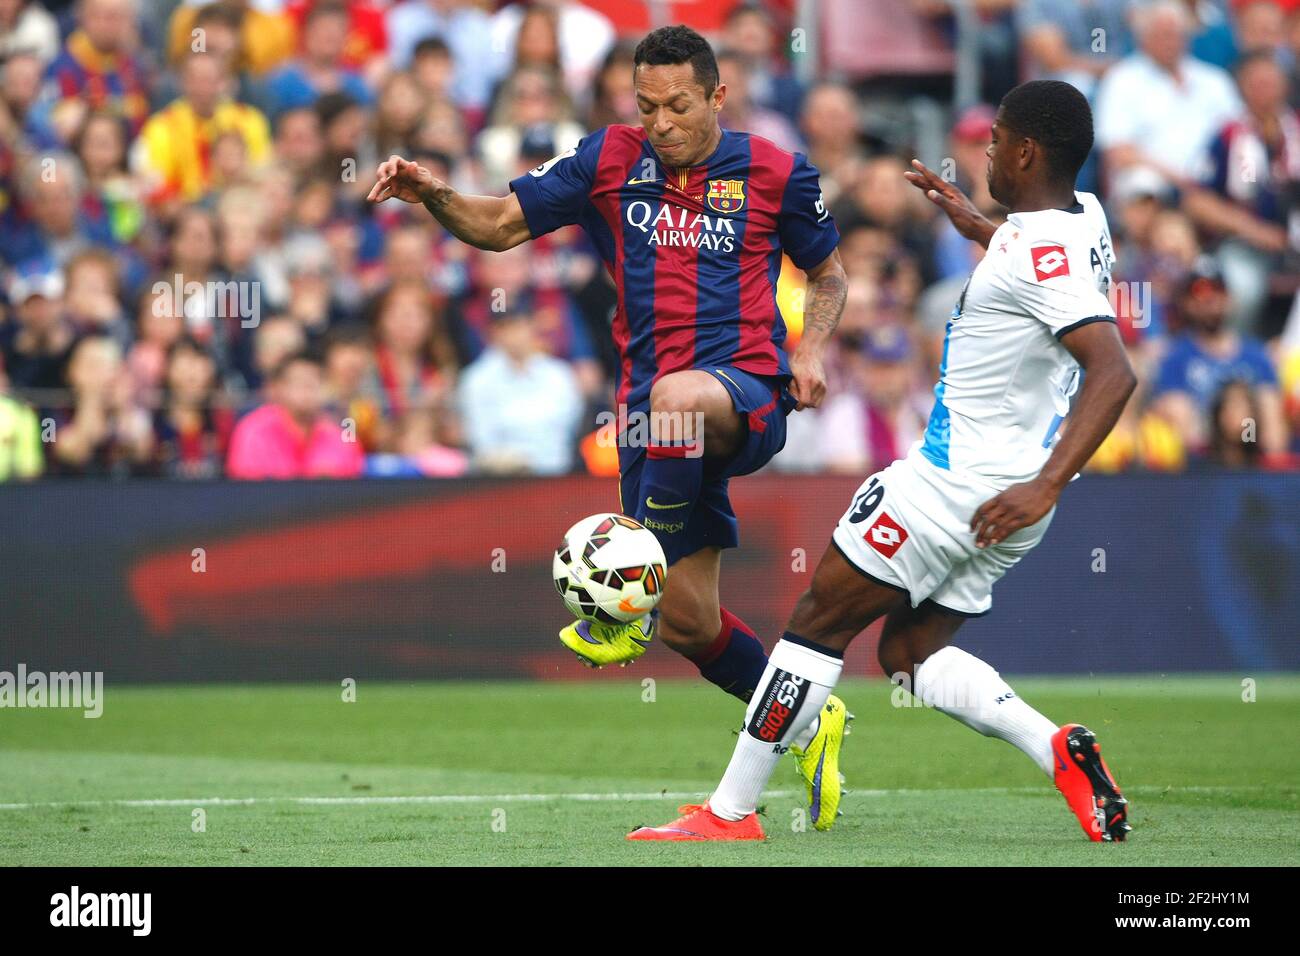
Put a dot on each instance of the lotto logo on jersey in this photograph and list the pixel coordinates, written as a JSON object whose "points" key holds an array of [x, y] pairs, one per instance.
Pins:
{"points": [[886, 535], [1050, 262], [726, 195]]}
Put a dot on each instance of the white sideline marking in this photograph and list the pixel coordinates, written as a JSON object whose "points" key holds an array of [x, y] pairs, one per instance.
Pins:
{"points": [[366, 801], [453, 798]]}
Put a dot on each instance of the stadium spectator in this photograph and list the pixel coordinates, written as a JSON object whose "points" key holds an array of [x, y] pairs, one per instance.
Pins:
{"points": [[1250, 193], [520, 406], [345, 126], [103, 433], [466, 30], [423, 448], [532, 116], [1211, 38], [159, 324], [23, 115], [291, 436], [37, 339], [415, 359], [174, 149], [750, 32], [969, 143], [400, 109], [21, 453], [740, 112], [277, 338], [312, 303], [516, 279], [1160, 106], [881, 200], [366, 44], [1074, 40], [830, 126], [93, 300], [883, 411], [49, 219], [613, 97], [571, 35], [1259, 25], [320, 69], [433, 68], [349, 368], [266, 34], [96, 69], [298, 143], [1208, 355], [110, 195], [1233, 414], [29, 28], [192, 425]]}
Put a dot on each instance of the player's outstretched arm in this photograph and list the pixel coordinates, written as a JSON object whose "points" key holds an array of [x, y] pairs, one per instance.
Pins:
{"points": [[1107, 384], [823, 302], [495, 223], [956, 205]]}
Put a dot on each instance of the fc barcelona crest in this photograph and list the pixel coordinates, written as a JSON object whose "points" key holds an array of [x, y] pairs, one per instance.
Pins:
{"points": [[726, 195]]}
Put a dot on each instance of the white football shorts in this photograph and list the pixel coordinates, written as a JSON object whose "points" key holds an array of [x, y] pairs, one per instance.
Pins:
{"points": [[908, 528]]}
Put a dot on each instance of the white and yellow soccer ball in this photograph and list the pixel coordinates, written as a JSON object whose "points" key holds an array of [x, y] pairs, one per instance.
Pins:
{"points": [[610, 569]]}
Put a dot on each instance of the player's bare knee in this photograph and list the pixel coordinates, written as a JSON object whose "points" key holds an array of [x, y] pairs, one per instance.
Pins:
{"points": [[677, 395]]}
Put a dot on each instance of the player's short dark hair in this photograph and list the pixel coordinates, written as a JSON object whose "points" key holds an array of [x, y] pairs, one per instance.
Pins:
{"points": [[669, 46], [1056, 115]]}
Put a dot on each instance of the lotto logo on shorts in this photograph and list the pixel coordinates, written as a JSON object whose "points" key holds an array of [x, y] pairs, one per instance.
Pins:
{"points": [[1050, 262], [886, 535]]}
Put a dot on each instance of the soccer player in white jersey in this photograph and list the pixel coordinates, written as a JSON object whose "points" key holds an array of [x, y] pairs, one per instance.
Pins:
{"points": [[924, 540]]}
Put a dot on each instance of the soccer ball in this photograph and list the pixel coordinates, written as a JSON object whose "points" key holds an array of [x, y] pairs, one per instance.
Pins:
{"points": [[610, 569]]}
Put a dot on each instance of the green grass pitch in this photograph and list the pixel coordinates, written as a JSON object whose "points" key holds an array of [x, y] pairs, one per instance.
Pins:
{"points": [[556, 773]]}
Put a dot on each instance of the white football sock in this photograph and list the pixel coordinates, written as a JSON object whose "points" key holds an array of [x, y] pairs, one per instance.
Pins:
{"points": [[788, 701], [966, 688], [805, 736]]}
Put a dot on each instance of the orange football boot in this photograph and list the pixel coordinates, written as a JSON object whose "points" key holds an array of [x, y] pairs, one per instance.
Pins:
{"points": [[1085, 781], [699, 823]]}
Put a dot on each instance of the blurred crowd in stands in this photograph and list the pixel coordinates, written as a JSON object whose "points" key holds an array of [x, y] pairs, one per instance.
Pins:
{"points": [[194, 285]]}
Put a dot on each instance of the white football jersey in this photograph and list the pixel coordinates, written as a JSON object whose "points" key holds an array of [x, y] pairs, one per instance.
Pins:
{"points": [[1005, 380]]}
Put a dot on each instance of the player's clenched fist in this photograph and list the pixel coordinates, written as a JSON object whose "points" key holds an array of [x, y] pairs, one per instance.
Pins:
{"points": [[397, 178], [809, 380]]}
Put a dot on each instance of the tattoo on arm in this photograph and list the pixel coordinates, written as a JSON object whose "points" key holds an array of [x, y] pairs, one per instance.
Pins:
{"points": [[824, 305]]}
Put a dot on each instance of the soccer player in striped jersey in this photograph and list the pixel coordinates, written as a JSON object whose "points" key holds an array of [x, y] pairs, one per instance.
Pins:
{"points": [[691, 221]]}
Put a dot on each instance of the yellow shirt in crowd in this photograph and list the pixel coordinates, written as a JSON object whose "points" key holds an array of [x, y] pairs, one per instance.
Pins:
{"points": [[175, 146]]}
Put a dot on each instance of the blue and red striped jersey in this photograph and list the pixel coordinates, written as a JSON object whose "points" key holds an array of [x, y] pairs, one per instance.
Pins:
{"points": [[694, 251]]}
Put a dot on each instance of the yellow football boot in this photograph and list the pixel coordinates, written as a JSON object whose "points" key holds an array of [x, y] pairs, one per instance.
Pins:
{"points": [[819, 765], [599, 644]]}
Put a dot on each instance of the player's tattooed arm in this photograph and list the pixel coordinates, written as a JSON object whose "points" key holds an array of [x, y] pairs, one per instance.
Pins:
{"points": [[1107, 385], [956, 205], [494, 223], [823, 303]]}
